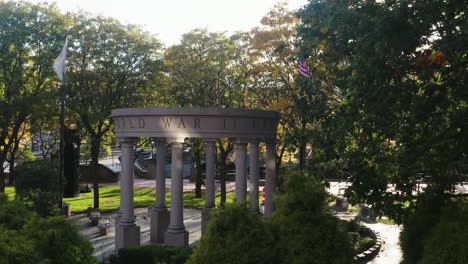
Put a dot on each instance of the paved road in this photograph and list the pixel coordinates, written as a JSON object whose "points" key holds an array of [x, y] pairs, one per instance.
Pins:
{"points": [[104, 244]]}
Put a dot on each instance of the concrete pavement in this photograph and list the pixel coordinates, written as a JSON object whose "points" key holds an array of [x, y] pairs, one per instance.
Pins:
{"points": [[104, 244]]}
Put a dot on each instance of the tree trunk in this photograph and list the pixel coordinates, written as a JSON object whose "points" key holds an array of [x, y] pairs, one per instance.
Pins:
{"points": [[302, 146], [2, 179], [196, 146], [302, 154], [11, 177], [2, 172], [93, 169], [223, 155], [279, 158], [198, 178], [222, 181]]}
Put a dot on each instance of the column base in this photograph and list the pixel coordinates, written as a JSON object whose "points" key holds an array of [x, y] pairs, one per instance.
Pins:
{"points": [[206, 216], [127, 236], [180, 238], [159, 221]]}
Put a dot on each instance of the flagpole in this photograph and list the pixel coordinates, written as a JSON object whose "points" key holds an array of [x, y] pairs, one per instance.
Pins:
{"points": [[62, 141], [59, 66]]}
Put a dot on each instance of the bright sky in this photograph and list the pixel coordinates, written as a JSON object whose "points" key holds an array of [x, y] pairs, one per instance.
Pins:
{"points": [[169, 19]]}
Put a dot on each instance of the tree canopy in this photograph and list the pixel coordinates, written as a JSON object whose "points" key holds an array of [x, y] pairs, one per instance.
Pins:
{"points": [[400, 70]]}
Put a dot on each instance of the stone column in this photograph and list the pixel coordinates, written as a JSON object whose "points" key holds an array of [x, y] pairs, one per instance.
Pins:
{"points": [[159, 216], [210, 187], [270, 182], [176, 234], [254, 172], [241, 177], [127, 233]]}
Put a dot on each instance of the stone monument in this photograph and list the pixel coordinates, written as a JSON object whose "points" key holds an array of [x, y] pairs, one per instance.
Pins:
{"points": [[172, 126]]}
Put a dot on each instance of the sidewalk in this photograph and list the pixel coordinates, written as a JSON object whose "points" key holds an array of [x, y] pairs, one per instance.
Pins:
{"points": [[390, 252]]}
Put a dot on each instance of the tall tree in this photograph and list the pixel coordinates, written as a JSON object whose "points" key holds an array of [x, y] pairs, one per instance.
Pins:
{"points": [[401, 69], [31, 38], [207, 70], [274, 58], [110, 64]]}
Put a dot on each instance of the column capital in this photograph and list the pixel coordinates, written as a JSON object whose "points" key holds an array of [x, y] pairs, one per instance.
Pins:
{"points": [[127, 140], [240, 140], [175, 139], [269, 141], [159, 140], [210, 140], [177, 145]]}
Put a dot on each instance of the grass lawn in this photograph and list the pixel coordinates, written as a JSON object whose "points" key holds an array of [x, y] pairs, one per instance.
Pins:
{"points": [[109, 198], [10, 192]]}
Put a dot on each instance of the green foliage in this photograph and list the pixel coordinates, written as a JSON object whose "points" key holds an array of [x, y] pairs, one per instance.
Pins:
{"points": [[436, 232], [31, 37], [13, 215], [365, 244], [17, 248], [210, 67], [28, 238], [151, 255], [416, 228], [59, 241], [358, 235], [236, 235], [446, 242], [40, 174], [308, 233], [37, 185], [393, 76], [112, 66]]}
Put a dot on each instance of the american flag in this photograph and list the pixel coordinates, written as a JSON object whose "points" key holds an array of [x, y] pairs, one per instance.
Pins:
{"points": [[304, 69]]}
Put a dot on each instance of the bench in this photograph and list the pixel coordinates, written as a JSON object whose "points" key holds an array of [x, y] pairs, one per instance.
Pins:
{"points": [[94, 216], [365, 212], [341, 202], [103, 225]]}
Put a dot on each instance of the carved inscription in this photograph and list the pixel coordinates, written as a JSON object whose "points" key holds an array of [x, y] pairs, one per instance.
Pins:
{"points": [[181, 123], [195, 123], [141, 123], [166, 122]]}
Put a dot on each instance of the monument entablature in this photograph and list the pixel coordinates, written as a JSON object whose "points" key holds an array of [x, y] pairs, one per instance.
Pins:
{"points": [[195, 123]]}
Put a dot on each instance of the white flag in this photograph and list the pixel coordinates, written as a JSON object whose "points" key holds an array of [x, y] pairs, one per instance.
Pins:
{"points": [[60, 61]]}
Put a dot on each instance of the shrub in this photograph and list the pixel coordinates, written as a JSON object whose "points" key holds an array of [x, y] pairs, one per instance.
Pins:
{"points": [[59, 241], [38, 174], [359, 236], [151, 255], [27, 238], [236, 235], [446, 243], [37, 185], [364, 244], [14, 215], [308, 233], [16, 248], [418, 224]]}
